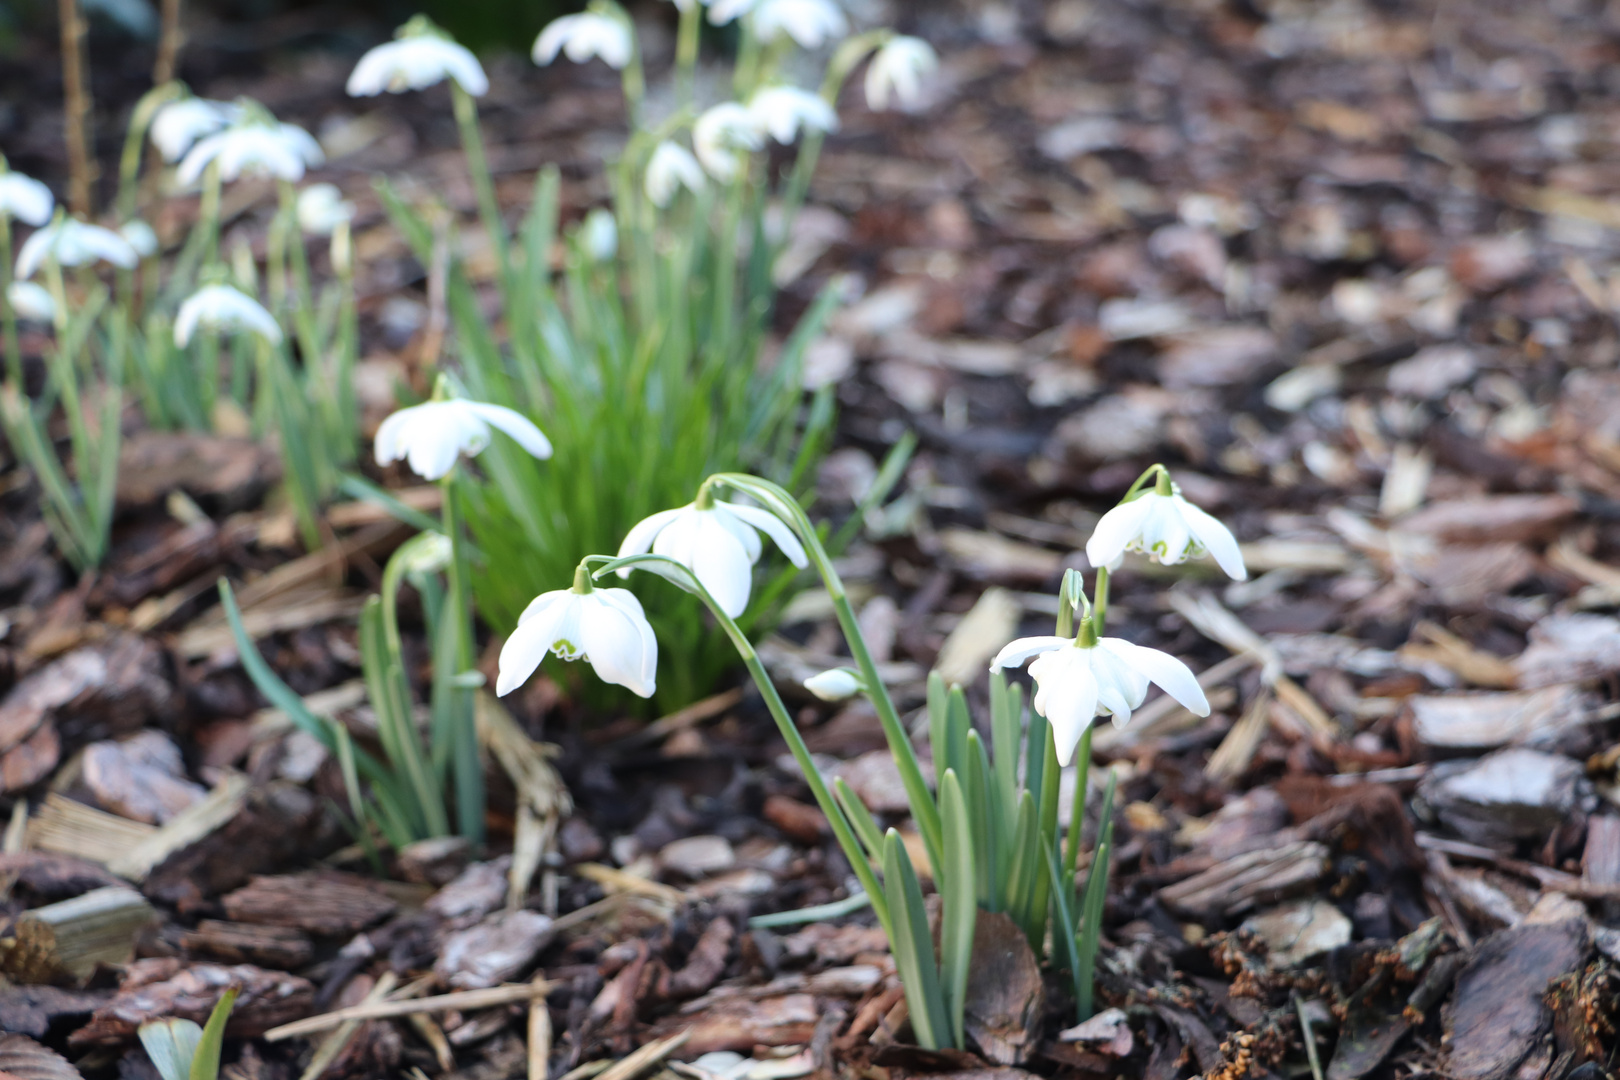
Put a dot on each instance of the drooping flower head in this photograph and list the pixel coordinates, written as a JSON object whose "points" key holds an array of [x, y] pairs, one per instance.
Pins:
{"points": [[718, 541], [31, 300], [1089, 676], [255, 144], [810, 23], [835, 684], [179, 124], [672, 166], [224, 308], [605, 627], [72, 242], [1165, 527], [421, 55], [897, 71], [582, 36], [140, 237], [322, 208], [723, 137], [432, 435], [24, 198], [783, 110]]}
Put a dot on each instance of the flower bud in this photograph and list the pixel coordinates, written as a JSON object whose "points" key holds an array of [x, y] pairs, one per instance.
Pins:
{"points": [[835, 684]]}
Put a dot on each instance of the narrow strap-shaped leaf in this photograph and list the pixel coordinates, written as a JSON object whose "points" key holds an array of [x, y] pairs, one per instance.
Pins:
{"points": [[960, 910], [1068, 951], [1091, 907], [913, 947], [860, 820], [205, 1062], [1004, 740], [1024, 863], [981, 809], [939, 735], [1077, 808], [171, 1043], [957, 726]]}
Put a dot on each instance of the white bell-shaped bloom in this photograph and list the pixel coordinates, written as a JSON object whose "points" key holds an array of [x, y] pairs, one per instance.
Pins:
{"points": [[25, 199], [599, 234], [74, 243], [672, 166], [416, 62], [583, 36], [140, 237], [179, 124], [1167, 528], [834, 685], [1074, 683], [322, 208], [783, 110], [31, 300], [604, 626], [720, 545], [430, 436], [723, 137], [724, 11], [811, 23], [897, 71], [275, 149], [224, 308]]}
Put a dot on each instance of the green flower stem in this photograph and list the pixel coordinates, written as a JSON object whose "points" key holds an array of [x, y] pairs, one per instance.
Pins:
{"points": [[923, 808], [407, 742], [14, 368], [466, 110], [1099, 603], [1077, 813], [686, 52], [467, 770]]}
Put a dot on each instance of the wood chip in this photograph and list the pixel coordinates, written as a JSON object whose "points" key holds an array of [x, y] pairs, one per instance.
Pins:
{"points": [[1247, 880]]}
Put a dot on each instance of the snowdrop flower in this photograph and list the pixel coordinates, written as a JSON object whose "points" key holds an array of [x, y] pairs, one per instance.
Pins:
{"points": [[783, 110], [1166, 527], [724, 11], [140, 237], [834, 685], [897, 72], [583, 36], [604, 626], [722, 136], [599, 234], [179, 124], [672, 166], [31, 300], [718, 542], [74, 243], [430, 436], [418, 59], [811, 23], [253, 146], [223, 307], [322, 208], [25, 198], [1075, 682]]}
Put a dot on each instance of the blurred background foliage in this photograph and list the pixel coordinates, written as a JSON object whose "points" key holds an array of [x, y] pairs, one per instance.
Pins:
{"points": [[480, 24]]}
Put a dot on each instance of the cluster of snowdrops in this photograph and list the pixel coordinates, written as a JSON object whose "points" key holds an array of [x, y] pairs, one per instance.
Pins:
{"points": [[989, 822]]}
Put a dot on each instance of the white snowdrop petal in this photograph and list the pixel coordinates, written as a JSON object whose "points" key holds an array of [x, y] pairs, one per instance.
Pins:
{"points": [[31, 300], [1116, 530], [720, 563], [1015, 653], [1164, 670], [25, 199], [528, 645], [612, 643], [521, 429], [639, 540], [1218, 540]]}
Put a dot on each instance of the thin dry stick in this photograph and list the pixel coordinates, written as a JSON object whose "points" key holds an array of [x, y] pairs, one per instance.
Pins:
{"points": [[645, 1058], [539, 1039], [463, 999], [336, 1042], [76, 109], [168, 54]]}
